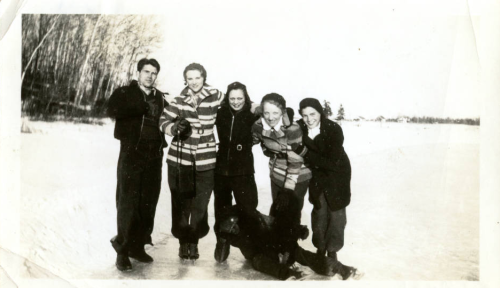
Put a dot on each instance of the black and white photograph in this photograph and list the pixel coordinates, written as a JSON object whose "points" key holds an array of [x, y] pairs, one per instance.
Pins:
{"points": [[156, 143]]}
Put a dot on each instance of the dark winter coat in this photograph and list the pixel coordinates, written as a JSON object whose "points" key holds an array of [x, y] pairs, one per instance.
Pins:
{"points": [[128, 106], [235, 141], [330, 166]]}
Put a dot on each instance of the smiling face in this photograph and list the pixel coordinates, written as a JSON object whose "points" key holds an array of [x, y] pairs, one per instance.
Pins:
{"points": [[236, 99], [272, 114], [194, 80], [311, 117], [147, 76]]}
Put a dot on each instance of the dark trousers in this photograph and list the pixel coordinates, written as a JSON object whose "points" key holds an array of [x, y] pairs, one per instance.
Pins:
{"points": [[328, 227], [267, 260], [137, 193], [189, 214], [245, 193], [300, 192]]}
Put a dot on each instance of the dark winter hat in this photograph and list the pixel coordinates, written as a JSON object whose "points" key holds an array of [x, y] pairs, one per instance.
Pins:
{"points": [[310, 102], [276, 99]]}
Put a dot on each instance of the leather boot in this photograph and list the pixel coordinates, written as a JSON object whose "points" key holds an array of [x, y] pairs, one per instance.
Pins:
{"points": [[184, 251], [123, 263], [140, 255], [221, 250], [193, 251]]}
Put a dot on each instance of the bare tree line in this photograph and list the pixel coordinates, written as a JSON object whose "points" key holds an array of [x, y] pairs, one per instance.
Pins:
{"points": [[72, 63]]}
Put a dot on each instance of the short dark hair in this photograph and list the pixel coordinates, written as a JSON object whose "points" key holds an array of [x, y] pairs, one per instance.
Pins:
{"points": [[275, 99], [146, 61], [196, 66], [237, 86]]}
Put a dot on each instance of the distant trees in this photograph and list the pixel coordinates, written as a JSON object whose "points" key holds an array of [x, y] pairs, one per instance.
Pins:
{"points": [[340, 113], [72, 63], [327, 110], [437, 120]]}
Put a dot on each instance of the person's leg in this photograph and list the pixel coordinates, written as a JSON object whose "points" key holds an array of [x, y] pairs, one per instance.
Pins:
{"points": [[130, 169], [318, 263], [274, 190], [199, 206], [180, 211], [335, 231], [300, 192], [245, 192], [263, 263], [223, 198], [319, 224], [150, 192], [151, 187]]}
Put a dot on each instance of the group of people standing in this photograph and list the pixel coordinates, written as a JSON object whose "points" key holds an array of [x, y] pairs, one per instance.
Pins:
{"points": [[306, 155]]}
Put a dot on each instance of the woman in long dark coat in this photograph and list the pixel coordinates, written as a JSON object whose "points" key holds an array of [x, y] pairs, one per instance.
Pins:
{"points": [[330, 185], [234, 169]]}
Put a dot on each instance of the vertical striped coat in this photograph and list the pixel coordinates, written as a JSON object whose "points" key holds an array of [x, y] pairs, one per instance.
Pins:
{"points": [[286, 167], [199, 148]]}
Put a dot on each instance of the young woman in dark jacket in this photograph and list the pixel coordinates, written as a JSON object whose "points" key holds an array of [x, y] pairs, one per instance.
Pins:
{"points": [[234, 169], [330, 185]]}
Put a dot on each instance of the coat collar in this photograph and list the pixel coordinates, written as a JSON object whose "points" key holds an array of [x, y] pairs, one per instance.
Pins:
{"points": [[204, 93], [279, 132]]}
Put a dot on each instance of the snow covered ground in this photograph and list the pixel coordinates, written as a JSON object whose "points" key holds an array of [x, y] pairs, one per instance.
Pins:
{"points": [[414, 213]]}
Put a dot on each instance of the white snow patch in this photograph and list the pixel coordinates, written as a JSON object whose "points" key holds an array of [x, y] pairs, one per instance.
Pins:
{"points": [[414, 213]]}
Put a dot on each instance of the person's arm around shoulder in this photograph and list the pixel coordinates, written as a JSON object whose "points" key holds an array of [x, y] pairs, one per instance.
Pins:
{"points": [[295, 152]]}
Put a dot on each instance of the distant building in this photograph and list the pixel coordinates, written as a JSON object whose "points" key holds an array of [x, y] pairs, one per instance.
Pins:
{"points": [[360, 119], [403, 119], [380, 119]]}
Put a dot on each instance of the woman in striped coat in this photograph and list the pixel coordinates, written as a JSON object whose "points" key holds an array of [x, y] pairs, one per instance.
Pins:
{"points": [[190, 118], [281, 140]]}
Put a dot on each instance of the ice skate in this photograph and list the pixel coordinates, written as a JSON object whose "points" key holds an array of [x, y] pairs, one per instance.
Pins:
{"points": [[221, 250], [184, 251], [123, 263], [348, 272], [193, 252], [140, 255]]}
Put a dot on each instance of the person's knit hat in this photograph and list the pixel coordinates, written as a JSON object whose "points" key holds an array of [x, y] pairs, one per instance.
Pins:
{"points": [[275, 99], [311, 102]]}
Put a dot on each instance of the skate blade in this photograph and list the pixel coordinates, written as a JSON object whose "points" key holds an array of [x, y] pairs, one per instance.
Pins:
{"points": [[356, 275]]}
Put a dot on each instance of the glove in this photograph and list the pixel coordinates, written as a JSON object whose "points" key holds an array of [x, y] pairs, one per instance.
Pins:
{"points": [[303, 232], [181, 127], [256, 109], [300, 149]]}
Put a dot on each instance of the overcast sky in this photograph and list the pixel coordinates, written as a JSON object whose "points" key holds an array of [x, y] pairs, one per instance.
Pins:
{"points": [[386, 58]]}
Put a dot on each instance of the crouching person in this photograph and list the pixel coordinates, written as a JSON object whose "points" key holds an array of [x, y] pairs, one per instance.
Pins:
{"points": [[270, 243]]}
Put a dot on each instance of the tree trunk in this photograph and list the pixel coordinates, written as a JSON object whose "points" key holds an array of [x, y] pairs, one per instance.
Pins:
{"points": [[79, 93], [38, 47]]}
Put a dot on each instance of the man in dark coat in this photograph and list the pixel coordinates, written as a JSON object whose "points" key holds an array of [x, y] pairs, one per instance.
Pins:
{"points": [[137, 108], [329, 188]]}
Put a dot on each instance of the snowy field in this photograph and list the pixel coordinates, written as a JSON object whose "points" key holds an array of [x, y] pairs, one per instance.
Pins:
{"points": [[414, 213]]}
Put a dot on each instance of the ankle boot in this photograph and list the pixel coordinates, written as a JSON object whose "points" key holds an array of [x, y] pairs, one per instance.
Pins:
{"points": [[184, 251], [122, 262], [140, 255], [221, 250], [193, 251]]}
